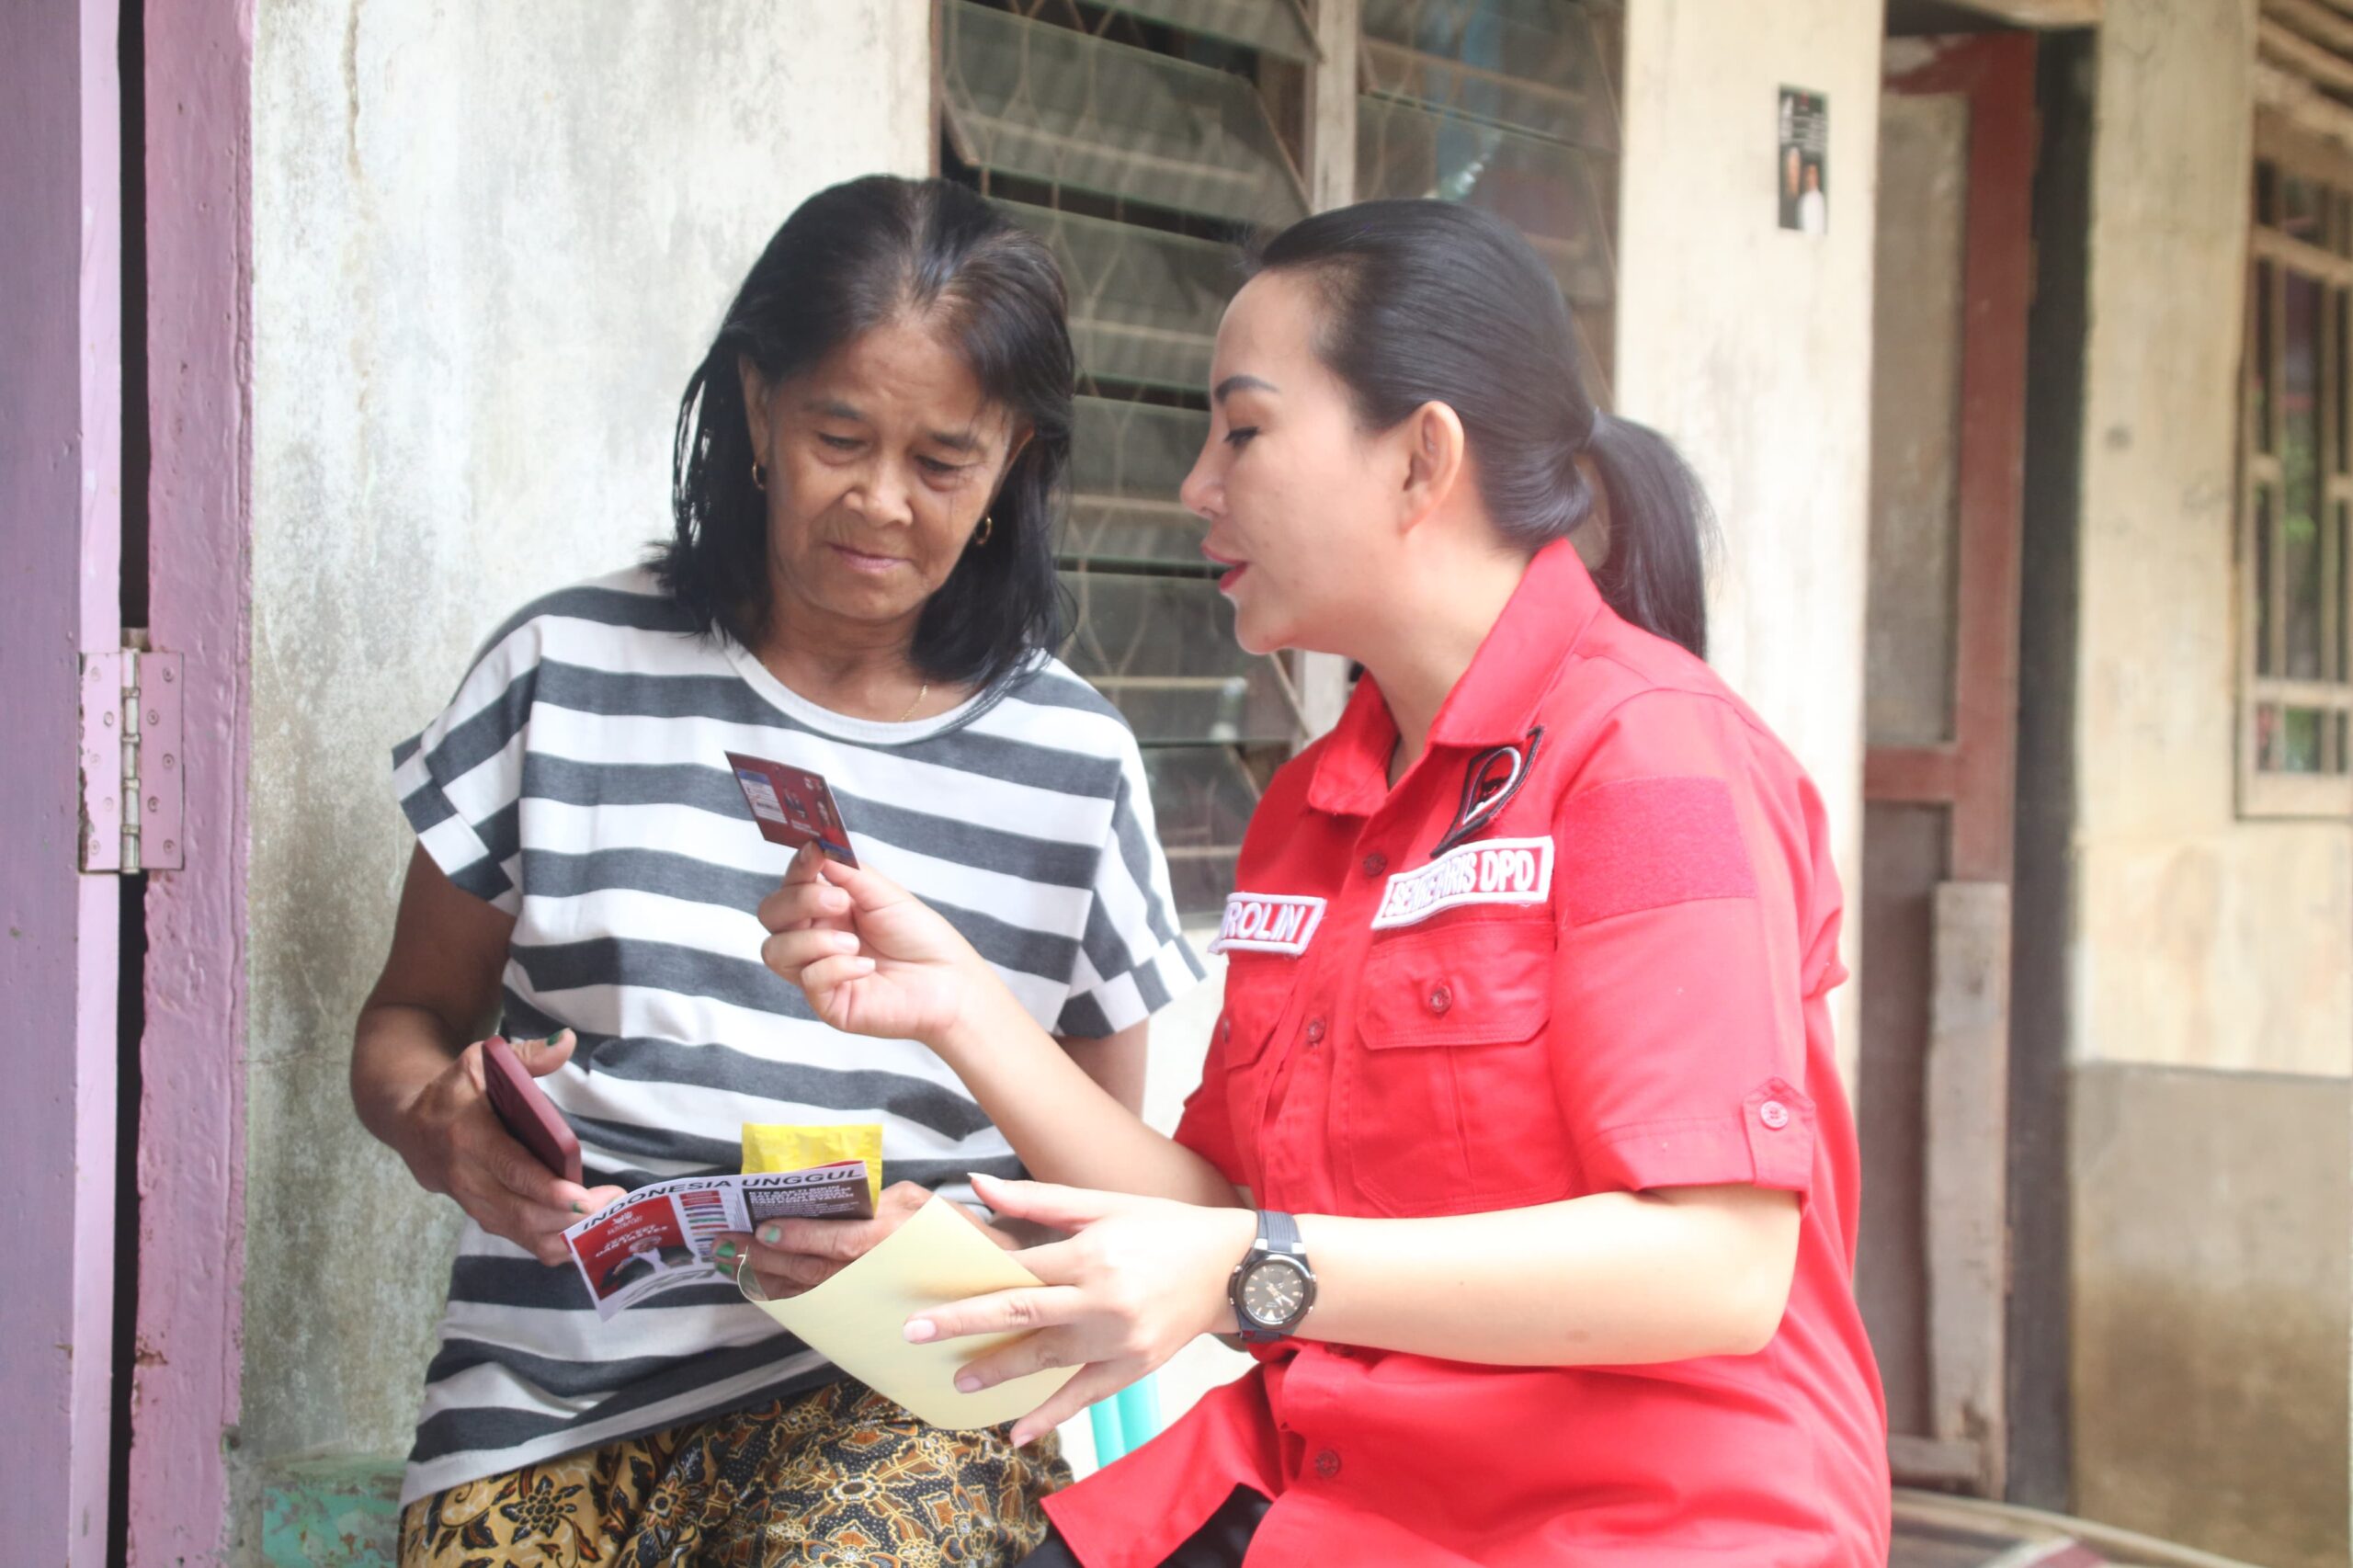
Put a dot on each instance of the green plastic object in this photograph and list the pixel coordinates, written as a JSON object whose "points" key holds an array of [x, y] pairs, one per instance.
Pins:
{"points": [[1125, 1421]]}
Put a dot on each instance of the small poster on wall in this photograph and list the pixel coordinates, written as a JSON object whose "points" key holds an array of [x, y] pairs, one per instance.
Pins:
{"points": [[1803, 173]]}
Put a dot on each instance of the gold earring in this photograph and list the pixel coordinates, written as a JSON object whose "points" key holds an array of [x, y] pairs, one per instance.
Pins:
{"points": [[988, 526], [760, 476]]}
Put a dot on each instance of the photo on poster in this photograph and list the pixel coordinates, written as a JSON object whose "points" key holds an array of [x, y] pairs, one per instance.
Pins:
{"points": [[1802, 166]]}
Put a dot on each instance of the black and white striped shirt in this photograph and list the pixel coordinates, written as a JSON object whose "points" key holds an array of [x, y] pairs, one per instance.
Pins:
{"points": [[577, 781]]}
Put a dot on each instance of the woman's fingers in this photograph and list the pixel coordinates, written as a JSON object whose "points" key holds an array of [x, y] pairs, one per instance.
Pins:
{"points": [[805, 899], [1005, 1311], [791, 953], [1062, 1208], [1031, 1353], [1098, 1381]]}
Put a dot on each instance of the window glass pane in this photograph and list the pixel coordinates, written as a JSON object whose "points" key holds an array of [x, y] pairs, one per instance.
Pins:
{"points": [[2335, 391], [2340, 592], [1547, 190], [1162, 649], [1203, 797], [2262, 584], [2300, 460], [2266, 194], [2300, 209], [2258, 360], [1127, 463], [2300, 739], [1144, 303], [1067, 108], [1532, 66], [1271, 26]]}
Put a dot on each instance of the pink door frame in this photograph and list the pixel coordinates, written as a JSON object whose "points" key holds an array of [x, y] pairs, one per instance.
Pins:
{"points": [[192, 1053], [61, 543], [61, 546]]}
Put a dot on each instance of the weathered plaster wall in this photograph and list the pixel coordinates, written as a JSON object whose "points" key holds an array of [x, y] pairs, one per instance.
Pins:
{"points": [[490, 243], [2203, 940], [2215, 1295], [1750, 345], [2211, 1271]]}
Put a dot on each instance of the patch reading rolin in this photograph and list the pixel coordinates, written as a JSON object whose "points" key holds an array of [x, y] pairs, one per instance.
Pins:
{"points": [[1501, 870], [1267, 922]]}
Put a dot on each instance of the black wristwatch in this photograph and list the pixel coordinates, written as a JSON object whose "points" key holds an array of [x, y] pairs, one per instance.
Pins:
{"points": [[1272, 1288]]}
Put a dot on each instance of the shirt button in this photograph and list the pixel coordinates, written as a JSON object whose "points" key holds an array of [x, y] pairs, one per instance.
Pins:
{"points": [[1774, 1115], [1314, 1031], [1441, 998], [1226, 1028], [1327, 1464], [1375, 863]]}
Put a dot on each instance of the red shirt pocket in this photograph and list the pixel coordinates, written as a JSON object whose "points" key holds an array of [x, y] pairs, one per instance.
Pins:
{"points": [[1445, 1101]]}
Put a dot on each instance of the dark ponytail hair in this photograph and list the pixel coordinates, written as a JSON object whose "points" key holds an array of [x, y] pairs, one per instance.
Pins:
{"points": [[1430, 301], [849, 259]]}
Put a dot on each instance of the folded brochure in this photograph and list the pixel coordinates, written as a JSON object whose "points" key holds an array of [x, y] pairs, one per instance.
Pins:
{"points": [[858, 1320], [660, 1237]]}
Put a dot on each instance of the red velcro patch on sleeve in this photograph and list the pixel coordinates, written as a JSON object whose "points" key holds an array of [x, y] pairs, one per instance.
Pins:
{"points": [[1646, 843]]}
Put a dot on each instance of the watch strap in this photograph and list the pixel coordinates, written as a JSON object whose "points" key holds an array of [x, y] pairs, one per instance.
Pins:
{"points": [[1279, 1232]]}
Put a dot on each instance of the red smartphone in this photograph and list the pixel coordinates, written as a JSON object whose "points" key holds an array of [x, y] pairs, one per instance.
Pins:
{"points": [[524, 1108]]}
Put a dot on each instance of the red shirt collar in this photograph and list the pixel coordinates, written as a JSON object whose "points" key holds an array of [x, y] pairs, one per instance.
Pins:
{"points": [[1495, 701]]}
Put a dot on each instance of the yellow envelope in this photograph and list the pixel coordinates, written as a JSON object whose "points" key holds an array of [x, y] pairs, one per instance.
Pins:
{"points": [[779, 1147], [858, 1320]]}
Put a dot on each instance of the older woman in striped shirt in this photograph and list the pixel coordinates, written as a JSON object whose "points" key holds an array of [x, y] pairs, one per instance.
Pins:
{"points": [[860, 583]]}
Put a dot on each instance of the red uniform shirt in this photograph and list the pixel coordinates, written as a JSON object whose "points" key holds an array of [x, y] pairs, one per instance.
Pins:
{"points": [[1610, 977]]}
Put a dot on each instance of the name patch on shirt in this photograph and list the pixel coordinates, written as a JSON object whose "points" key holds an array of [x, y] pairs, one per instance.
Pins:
{"points": [[1500, 870], [1267, 922]]}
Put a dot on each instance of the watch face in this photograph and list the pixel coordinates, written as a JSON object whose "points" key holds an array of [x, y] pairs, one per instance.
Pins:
{"points": [[1275, 1291]]}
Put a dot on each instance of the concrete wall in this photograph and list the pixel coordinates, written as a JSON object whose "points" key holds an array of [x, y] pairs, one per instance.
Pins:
{"points": [[1751, 346], [2214, 1287], [490, 243], [2204, 940], [2211, 1209]]}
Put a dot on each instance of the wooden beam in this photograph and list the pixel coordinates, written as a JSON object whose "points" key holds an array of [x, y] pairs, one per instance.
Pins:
{"points": [[2303, 105], [2330, 28], [2304, 56], [1966, 1200], [2040, 14], [1932, 1461], [1323, 678], [1920, 776]]}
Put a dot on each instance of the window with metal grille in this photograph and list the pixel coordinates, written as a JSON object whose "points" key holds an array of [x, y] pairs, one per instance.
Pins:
{"points": [[1143, 140], [2296, 502], [1512, 107]]}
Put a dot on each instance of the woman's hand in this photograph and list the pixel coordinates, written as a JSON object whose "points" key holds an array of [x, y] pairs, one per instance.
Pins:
{"points": [[872, 957], [789, 1256], [1136, 1283], [454, 1143]]}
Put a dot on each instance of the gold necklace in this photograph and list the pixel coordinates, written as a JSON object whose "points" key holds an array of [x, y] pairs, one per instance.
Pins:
{"points": [[916, 703]]}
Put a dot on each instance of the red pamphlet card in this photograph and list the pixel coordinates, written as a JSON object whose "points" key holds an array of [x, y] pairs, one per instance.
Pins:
{"points": [[793, 806]]}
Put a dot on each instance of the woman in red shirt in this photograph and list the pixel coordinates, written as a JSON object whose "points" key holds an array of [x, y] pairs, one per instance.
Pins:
{"points": [[1520, 1156]]}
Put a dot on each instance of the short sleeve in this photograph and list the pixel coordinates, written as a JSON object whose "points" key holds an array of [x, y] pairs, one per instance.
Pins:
{"points": [[1678, 1017], [1206, 1126], [459, 781], [1133, 960]]}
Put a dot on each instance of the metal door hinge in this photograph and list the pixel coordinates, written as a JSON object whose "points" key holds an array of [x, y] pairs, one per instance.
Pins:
{"points": [[132, 802]]}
